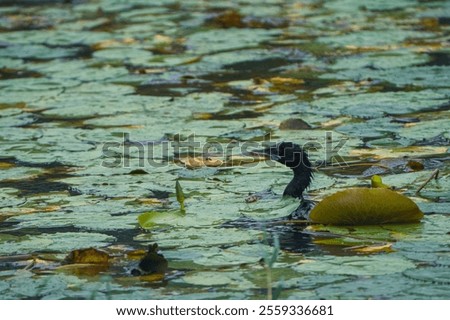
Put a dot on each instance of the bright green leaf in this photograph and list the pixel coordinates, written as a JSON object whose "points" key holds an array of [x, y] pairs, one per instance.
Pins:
{"points": [[377, 182], [180, 195], [152, 218]]}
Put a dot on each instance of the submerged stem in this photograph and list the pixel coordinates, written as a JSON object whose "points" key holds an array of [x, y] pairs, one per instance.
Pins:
{"points": [[434, 174]]}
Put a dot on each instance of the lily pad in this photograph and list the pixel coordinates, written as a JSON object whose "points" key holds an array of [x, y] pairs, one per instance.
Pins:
{"points": [[95, 92], [437, 275], [365, 206], [208, 279], [358, 266], [55, 242], [153, 218]]}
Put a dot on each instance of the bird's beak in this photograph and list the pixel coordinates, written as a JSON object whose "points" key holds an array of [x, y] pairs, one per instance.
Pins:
{"points": [[267, 154], [275, 157]]}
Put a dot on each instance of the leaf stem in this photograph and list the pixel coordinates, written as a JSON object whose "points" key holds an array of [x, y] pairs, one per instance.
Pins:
{"points": [[434, 175]]}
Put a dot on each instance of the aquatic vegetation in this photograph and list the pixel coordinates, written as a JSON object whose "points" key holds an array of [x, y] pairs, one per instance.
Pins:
{"points": [[106, 105]]}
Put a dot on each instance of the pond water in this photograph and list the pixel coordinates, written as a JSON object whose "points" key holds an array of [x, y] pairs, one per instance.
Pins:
{"points": [[105, 104]]}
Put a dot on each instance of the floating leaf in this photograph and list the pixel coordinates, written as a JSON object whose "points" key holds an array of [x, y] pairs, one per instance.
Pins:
{"points": [[238, 160], [285, 85], [83, 269], [88, 262], [208, 279], [150, 219], [199, 162], [73, 83], [110, 43], [136, 254], [286, 81], [154, 277], [150, 201], [357, 265], [341, 241], [228, 19], [415, 165], [365, 206], [90, 256], [374, 249], [400, 152], [5, 165], [435, 275]]}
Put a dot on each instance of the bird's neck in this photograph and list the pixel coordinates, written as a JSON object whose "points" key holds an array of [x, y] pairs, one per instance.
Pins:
{"points": [[301, 180]]}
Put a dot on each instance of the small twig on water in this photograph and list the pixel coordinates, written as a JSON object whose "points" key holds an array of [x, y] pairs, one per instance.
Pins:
{"points": [[269, 282], [434, 175]]}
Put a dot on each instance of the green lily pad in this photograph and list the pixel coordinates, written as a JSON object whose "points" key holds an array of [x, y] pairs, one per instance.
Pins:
{"points": [[153, 218], [358, 266], [437, 275], [78, 77], [61, 241]]}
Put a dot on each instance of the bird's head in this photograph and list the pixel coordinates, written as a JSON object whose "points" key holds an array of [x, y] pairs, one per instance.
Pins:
{"points": [[295, 158], [289, 154]]}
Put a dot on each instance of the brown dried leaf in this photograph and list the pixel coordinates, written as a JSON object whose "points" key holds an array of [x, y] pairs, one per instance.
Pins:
{"points": [[286, 81], [228, 19], [6, 165], [151, 201], [415, 165], [152, 277], [199, 162], [386, 248], [26, 210], [105, 44], [83, 269], [87, 256], [136, 254]]}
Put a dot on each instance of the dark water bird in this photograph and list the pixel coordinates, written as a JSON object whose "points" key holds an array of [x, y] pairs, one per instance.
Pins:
{"points": [[295, 158], [291, 236], [153, 262], [353, 206]]}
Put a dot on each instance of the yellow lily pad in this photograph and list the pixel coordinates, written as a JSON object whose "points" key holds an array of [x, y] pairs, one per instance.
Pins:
{"points": [[365, 206]]}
